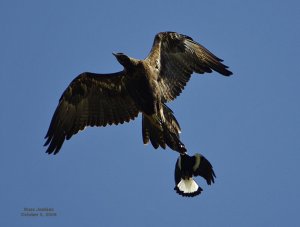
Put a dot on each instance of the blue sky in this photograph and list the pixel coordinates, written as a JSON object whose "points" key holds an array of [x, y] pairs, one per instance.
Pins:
{"points": [[247, 125]]}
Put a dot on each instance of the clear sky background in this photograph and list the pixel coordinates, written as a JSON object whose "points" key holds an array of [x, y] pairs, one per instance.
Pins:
{"points": [[247, 126]]}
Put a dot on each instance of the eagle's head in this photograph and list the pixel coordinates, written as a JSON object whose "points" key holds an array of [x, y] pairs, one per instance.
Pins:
{"points": [[123, 59]]}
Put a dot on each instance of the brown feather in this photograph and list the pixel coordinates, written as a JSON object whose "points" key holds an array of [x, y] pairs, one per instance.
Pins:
{"points": [[177, 56], [90, 100]]}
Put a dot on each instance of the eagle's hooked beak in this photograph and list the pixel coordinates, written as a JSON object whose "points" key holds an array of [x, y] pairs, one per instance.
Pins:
{"points": [[117, 54]]}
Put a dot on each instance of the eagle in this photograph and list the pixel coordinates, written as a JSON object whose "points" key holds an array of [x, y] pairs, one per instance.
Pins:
{"points": [[143, 86]]}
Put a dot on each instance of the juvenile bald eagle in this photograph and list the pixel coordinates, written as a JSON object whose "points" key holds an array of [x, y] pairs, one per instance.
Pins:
{"points": [[144, 86]]}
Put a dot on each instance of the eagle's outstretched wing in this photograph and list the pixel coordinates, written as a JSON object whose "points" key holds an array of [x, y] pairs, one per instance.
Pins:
{"points": [[176, 57], [90, 100]]}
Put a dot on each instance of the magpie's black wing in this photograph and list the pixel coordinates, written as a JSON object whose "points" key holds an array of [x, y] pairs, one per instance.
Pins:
{"points": [[204, 169]]}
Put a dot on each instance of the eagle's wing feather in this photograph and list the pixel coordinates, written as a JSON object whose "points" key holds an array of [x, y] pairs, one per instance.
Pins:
{"points": [[176, 57], [90, 100]]}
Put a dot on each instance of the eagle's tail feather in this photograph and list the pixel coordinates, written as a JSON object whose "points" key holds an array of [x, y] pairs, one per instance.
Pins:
{"points": [[162, 132]]}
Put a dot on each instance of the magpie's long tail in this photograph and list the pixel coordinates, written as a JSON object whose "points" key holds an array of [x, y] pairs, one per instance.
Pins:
{"points": [[162, 132]]}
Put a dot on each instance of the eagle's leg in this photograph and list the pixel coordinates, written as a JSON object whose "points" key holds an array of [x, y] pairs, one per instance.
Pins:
{"points": [[162, 129]]}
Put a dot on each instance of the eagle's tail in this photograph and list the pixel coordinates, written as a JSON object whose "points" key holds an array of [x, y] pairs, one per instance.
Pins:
{"points": [[162, 132]]}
